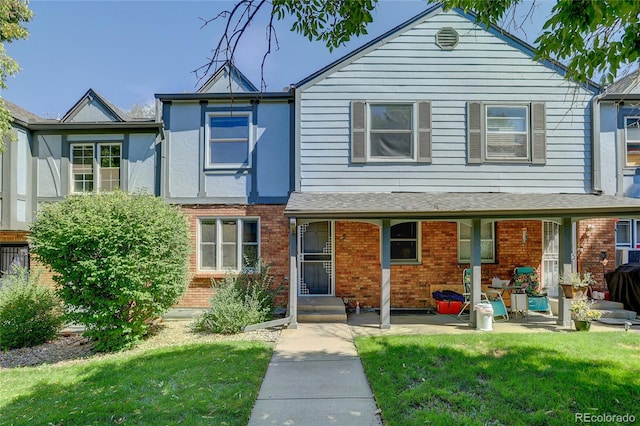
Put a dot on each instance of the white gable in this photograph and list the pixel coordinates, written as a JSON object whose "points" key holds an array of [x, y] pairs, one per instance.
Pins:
{"points": [[228, 79]]}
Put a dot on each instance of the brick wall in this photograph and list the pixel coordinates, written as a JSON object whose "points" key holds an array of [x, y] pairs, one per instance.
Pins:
{"points": [[357, 262], [595, 236], [274, 247]]}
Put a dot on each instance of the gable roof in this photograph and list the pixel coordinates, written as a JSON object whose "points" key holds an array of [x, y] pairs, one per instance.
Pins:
{"points": [[502, 34], [21, 115], [89, 97], [227, 75], [627, 87]]}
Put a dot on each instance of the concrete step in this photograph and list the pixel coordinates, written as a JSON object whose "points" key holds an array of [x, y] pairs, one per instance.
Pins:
{"points": [[617, 313], [606, 305], [321, 309], [323, 317]]}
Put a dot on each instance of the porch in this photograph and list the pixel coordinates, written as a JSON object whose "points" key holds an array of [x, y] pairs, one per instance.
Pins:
{"points": [[368, 324]]}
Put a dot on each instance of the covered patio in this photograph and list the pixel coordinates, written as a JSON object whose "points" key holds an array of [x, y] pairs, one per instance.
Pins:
{"points": [[473, 209]]}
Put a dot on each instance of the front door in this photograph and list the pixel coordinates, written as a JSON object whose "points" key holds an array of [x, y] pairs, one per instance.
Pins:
{"points": [[315, 259], [550, 254]]}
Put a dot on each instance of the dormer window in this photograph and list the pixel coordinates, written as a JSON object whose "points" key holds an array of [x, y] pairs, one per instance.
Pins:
{"points": [[632, 138], [228, 141]]}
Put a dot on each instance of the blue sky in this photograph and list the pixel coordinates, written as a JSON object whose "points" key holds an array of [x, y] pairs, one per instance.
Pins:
{"points": [[129, 50]]}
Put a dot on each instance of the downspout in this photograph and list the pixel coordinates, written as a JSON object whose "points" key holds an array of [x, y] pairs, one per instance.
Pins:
{"points": [[596, 183]]}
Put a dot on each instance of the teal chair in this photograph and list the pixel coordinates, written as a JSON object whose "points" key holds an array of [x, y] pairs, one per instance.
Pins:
{"points": [[537, 300]]}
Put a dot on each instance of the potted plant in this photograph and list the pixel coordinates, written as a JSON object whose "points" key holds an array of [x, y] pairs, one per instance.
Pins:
{"points": [[582, 314], [574, 281]]}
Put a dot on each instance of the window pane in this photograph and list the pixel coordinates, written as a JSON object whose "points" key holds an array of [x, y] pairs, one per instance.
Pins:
{"points": [[486, 232], [229, 233], [208, 256], [250, 254], [506, 119], [391, 117], [208, 231], [633, 141], [250, 232], [396, 145], [486, 250], [465, 251], [404, 230], [505, 145], [623, 233], [109, 155], [229, 152], [229, 256], [229, 127], [109, 179], [404, 250], [465, 231]]}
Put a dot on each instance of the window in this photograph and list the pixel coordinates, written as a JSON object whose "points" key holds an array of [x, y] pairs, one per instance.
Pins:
{"points": [[624, 232], [84, 167], [632, 138], [12, 255], [487, 243], [390, 131], [228, 244], [228, 141], [391, 135], [506, 133], [405, 242]]}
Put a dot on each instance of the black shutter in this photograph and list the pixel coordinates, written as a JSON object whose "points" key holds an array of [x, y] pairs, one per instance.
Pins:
{"points": [[475, 132], [538, 134], [424, 132]]}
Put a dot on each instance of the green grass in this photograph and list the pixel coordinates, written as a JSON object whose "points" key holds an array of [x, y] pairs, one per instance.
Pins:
{"points": [[503, 379], [215, 383]]}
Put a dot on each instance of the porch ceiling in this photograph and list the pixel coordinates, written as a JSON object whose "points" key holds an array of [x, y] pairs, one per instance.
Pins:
{"points": [[448, 205]]}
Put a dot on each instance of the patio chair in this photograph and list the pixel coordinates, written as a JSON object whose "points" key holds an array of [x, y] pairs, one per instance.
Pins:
{"points": [[497, 302], [466, 283], [537, 300]]}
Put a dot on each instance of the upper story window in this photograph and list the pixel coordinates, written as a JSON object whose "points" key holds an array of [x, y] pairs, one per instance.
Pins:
{"points": [[95, 167], [506, 133], [228, 244], [228, 141], [487, 243], [390, 131], [632, 138], [628, 233], [405, 242]]}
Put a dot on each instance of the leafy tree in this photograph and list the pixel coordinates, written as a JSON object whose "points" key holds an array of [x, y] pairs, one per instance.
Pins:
{"points": [[120, 260], [13, 15], [593, 37]]}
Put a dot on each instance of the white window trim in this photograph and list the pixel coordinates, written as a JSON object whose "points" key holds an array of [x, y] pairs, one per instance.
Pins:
{"points": [[493, 240], [528, 132], [207, 141], [626, 141], [418, 259], [632, 235], [95, 155], [414, 133], [219, 219]]}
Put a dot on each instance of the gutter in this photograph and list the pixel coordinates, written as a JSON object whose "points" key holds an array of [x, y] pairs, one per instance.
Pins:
{"points": [[596, 162]]}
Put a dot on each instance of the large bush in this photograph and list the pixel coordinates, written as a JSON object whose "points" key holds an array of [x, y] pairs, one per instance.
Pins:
{"points": [[30, 314], [120, 260], [240, 300]]}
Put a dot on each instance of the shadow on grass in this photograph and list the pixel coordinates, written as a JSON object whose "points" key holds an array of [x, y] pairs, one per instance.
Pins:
{"points": [[507, 379], [196, 384]]}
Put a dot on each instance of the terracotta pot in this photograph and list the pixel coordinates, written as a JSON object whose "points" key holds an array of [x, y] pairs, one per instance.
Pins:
{"points": [[582, 325], [568, 290]]}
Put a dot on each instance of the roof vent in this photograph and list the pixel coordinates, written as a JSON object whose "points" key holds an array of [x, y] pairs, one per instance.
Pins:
{"points": [[447, 38]]}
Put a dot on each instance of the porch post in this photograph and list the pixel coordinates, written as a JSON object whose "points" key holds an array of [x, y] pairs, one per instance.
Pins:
{"points": [[293, 273], [476, 273], [565, 267], [385, 286]]}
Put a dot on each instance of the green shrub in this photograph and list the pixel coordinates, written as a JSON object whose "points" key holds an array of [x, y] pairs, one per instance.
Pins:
{"points": [[30, 314], [120, 261], [240, 300]]}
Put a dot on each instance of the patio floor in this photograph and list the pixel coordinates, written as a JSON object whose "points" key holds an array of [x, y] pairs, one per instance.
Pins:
{"points": [[368, 324]]}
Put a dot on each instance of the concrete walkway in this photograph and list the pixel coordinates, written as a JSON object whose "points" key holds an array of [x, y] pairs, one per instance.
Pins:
{"points": [[315, 378]]}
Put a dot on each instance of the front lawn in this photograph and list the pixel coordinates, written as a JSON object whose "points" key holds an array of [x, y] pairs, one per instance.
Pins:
{"points": [[213, 383], [503, 379]]}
